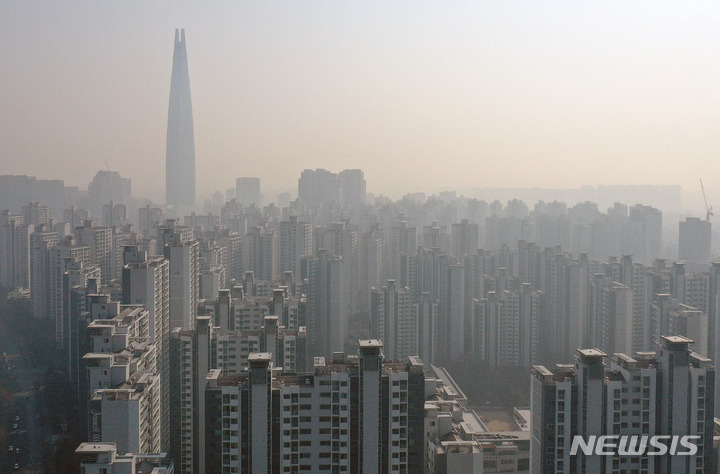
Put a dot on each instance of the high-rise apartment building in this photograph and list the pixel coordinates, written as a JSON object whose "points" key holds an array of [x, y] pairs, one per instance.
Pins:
{"points": [[393, 319], [146, 282], [14, 255], [80, 295], [105, 187], [41, 275], [124, 385], [352, 188], [36, 214], [403, 242], [454, 332], [130, 413], [372, 263], [65, 256], [172, 231], [189, 363], [247, 191], [117, 346], [100, 242], [75, 216], [184, 269], [114, 214], [645, 233], [427, 315], [327, 312], [149, 218], [260, 253], [670, 392], [464, 238], [233, 347], [295, 241], [319, 188], [694, 244], [505, 328], [352, 414], [342, 240]]}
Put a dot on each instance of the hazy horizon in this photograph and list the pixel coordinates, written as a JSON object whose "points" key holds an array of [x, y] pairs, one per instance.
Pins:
{"points": [[431, 96]]}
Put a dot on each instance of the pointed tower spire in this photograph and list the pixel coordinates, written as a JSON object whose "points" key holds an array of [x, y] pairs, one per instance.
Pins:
{"points": [[180, 146]]}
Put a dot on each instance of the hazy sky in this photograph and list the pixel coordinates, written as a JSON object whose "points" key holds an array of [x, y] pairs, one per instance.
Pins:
{"points": [[420, 95]]}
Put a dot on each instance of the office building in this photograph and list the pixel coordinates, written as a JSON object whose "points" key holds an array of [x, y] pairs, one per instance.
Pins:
{"points": [[180, 146]]}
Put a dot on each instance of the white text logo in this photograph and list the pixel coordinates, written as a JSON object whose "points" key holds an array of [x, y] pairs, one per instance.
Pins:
{"points": [[635, 445]]}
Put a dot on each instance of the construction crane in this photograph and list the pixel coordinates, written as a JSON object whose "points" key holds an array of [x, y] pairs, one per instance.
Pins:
{"points": [[708, 209]]}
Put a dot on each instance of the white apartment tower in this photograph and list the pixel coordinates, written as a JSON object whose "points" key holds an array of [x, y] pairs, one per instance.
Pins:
{"points": [[146, 282], [351, 414], [41, 274], [100, 242], [394, 320], [670, 392], [294, 243], [184, 266]]}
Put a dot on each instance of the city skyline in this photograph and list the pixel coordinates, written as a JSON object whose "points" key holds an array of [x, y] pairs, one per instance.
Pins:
{"points": [[361, 205], [389, 89]]}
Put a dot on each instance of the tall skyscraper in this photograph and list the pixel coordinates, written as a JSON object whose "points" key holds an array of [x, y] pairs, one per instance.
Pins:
{"points": [[180, 150]]}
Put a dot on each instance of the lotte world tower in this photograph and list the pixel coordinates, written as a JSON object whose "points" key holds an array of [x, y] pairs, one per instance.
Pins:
{"points": [[180, 150]]}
